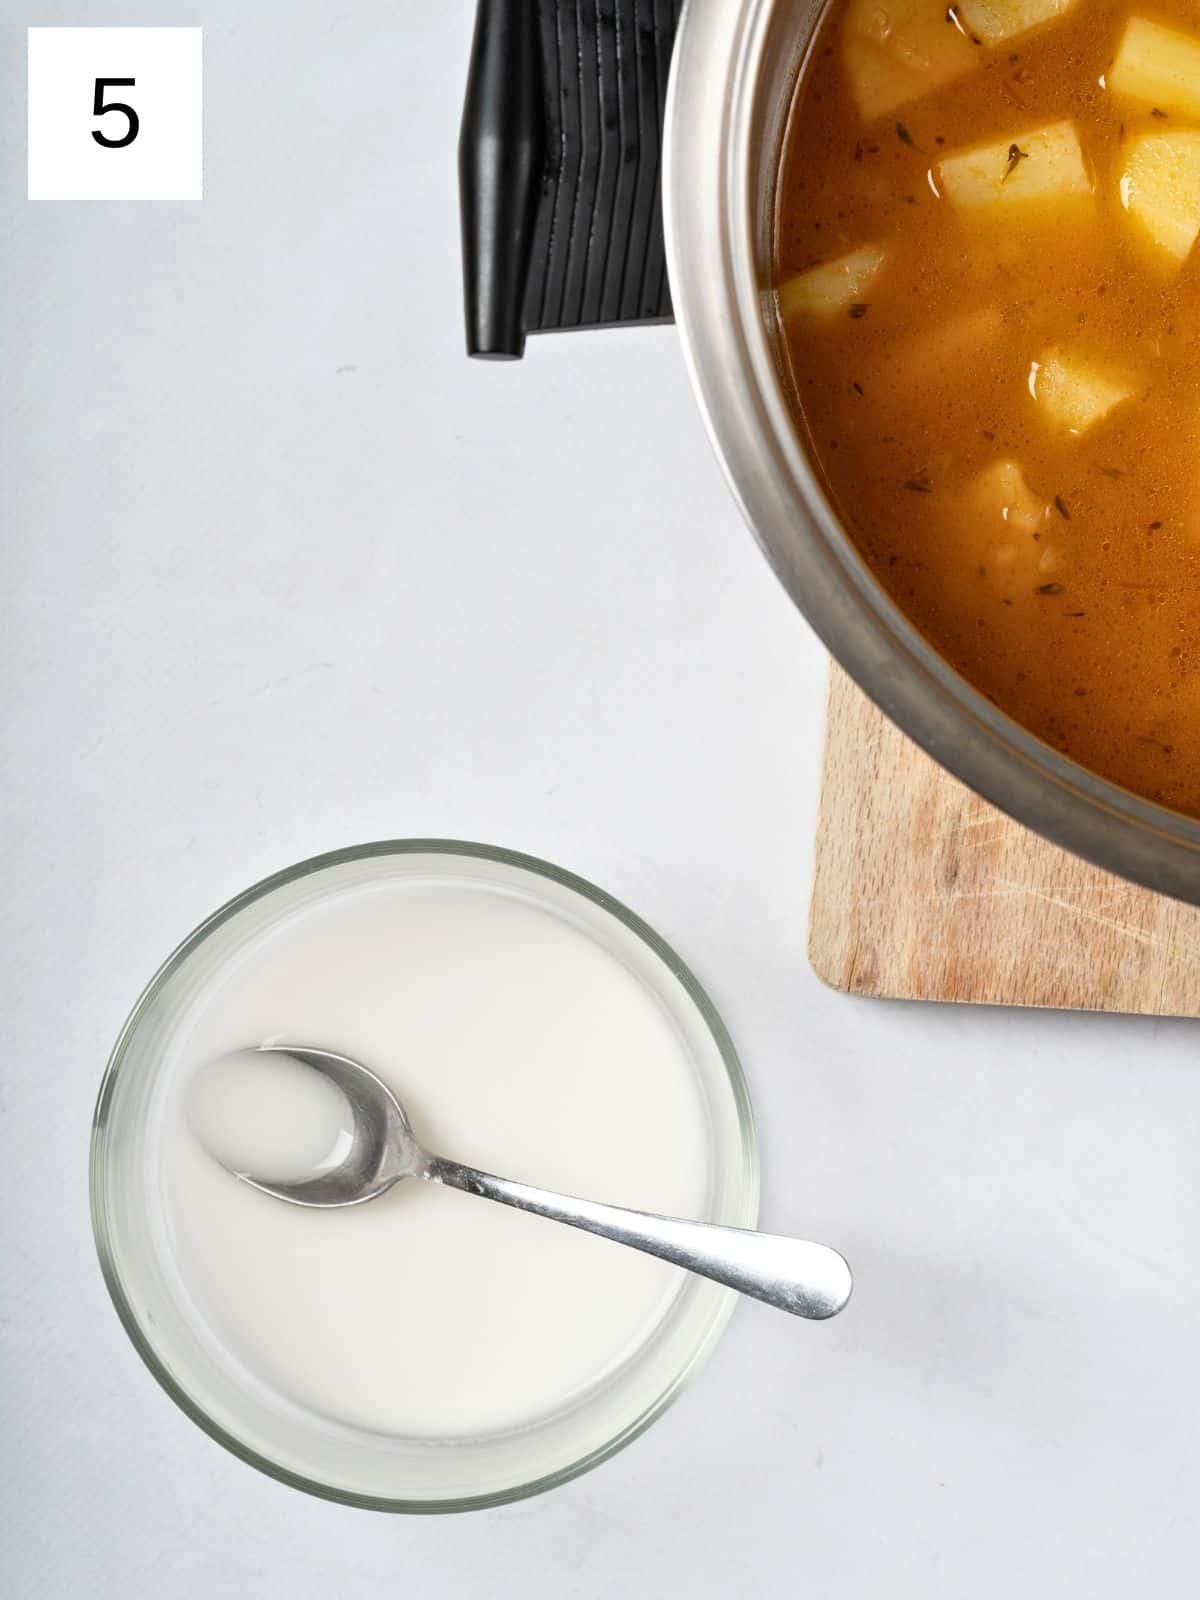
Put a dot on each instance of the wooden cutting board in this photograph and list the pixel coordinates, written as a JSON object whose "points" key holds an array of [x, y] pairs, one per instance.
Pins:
{"points": [[922, 891]]}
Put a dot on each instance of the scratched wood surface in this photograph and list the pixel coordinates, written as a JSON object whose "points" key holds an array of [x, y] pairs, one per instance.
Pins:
{"points": [[922, 891]]}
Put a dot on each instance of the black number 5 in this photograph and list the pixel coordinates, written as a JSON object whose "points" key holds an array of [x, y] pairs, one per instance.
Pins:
{"points": [[99, 108]]}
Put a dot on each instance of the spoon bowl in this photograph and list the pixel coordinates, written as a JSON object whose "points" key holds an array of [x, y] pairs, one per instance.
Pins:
{"points": [[383, 1148]]}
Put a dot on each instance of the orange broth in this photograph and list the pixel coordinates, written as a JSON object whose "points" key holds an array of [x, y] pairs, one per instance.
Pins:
{"points": [[1003, 397]]}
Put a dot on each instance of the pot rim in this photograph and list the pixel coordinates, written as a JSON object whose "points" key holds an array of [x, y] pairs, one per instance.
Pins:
{"points": [[713, 136]]}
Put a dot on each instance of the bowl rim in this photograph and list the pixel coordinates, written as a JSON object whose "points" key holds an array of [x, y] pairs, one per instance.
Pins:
{"points": [[103, 1233], [716, 133]]}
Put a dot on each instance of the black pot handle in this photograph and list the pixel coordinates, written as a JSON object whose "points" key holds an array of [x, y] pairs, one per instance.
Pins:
{"points": [[559, 167]]}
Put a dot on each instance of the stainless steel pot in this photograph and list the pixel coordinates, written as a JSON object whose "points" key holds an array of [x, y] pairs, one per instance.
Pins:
{"points": [[558, 162], [732, 76]]}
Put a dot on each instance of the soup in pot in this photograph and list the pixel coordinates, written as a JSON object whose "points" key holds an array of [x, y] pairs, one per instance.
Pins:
{"points": [[990, 295]]}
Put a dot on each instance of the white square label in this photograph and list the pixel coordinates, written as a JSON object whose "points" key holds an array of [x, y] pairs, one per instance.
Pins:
{"points": [[116, 113]]}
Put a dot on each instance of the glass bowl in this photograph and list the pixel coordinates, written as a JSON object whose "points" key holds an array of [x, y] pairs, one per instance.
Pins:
{"points": [[318, 1454]]}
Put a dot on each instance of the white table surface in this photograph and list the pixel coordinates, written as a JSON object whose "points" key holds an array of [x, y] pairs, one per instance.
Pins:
{"points": [[281, 570]]}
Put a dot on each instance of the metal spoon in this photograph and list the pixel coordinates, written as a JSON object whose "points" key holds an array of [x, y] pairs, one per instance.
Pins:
{"points": [[809, 1280]]}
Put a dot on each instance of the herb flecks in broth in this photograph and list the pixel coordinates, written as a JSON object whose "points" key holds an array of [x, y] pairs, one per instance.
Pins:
{"points": [[1015, 156], [1009, 360]]}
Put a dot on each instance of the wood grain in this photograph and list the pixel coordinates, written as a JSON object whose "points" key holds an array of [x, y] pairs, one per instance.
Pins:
{"points": [[922, 891]]}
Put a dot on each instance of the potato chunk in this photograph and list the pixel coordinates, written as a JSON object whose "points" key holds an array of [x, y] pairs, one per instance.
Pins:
{"points": [[1159, 67], [995, 21], [1075, 393], [898, 50], [1160, 190], [1043, 165], [1005, 521], [833, 286], [1000, 500]]}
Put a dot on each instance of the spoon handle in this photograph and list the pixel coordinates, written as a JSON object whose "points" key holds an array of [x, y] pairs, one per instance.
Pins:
{"points": [[809, 1280]]}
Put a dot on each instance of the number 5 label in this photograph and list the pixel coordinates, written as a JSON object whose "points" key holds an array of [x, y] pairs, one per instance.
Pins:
{"points": [[132, 120], [116, 114]]}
